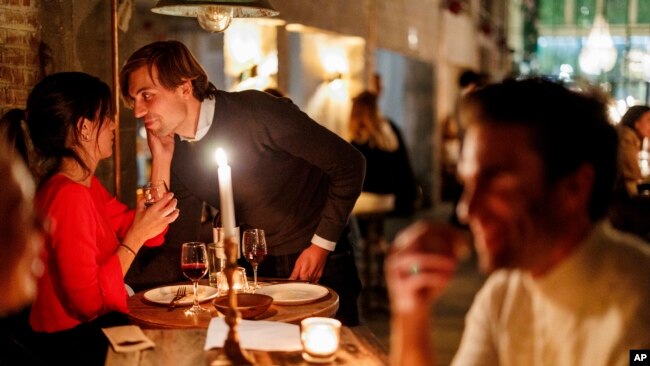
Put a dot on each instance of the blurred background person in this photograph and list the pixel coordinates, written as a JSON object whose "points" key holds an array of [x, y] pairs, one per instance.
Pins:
{"points": [[630, 211], [13, 135], [633, 128], [389, 189], [452, 136], [403, 208], [565, 288], [388, 168], [23, 234], [94, 237]]}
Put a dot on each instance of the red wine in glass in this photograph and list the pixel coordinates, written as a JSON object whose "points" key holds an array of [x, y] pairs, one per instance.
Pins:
{"points": [[194, 271], [194, 264], [254, 248], [256, 257]]}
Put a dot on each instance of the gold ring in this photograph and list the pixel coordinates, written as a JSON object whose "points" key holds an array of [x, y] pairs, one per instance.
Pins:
{"points": [[415, 269]]}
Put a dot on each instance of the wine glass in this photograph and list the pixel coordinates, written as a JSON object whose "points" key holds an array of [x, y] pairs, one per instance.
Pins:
{"points": [[153, 192], [254, 247], [194, 264]]}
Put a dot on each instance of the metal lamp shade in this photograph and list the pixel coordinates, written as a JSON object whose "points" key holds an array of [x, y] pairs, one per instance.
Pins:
{"points": [[240, 8]]}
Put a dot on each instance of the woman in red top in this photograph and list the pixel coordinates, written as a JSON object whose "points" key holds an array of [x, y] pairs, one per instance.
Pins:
{"points": [[94, 238]]}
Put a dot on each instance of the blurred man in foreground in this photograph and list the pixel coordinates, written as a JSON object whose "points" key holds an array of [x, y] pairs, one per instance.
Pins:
{"points": [[564, 287]]}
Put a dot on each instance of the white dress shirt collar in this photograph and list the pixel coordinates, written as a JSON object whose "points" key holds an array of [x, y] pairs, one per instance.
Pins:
{"points": [[206, 114]]}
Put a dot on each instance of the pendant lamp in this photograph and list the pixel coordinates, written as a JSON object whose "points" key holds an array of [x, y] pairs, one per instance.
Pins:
{"points": [[599, 54], [215, 15]]}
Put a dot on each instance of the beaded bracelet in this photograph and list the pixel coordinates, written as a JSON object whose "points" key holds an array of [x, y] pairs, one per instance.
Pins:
{"points": [[128, 248]]}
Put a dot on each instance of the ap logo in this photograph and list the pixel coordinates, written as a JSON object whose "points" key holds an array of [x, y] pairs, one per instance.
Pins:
{"points": [[639, 357]]}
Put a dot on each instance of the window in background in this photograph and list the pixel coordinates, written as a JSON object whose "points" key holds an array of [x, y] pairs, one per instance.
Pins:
{"points": [[564, 27]]}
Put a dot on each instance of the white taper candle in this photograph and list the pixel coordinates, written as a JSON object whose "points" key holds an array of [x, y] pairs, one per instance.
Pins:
{"points": [[225, 195]]}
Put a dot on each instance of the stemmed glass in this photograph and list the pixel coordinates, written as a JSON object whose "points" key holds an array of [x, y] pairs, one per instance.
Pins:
{"points": [[194, 264], [154, 191], [254, 247]]}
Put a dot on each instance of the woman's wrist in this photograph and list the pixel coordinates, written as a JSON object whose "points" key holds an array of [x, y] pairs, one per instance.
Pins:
{"points": [[161, 161], [128, 249], [132, 242]]}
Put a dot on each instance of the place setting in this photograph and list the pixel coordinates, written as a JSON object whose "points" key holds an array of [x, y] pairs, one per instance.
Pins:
{"points": [[194, 266], [289, 293], [293, 293], [206, 296], [254, 299], [172, 297]]}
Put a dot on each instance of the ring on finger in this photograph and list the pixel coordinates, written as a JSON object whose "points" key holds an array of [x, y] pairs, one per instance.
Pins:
{"points": [[415, 269]]}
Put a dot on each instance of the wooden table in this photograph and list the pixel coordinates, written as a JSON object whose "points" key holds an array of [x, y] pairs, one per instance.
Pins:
{"points": [[150, 315], [181, 347]]}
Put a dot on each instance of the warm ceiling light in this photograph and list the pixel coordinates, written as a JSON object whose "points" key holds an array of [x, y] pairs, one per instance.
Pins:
{"points": [[599, 54], [215, 15]]}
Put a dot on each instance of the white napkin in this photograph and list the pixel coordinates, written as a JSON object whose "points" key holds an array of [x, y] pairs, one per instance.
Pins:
{"points": [[258, 335], [127, 338]]}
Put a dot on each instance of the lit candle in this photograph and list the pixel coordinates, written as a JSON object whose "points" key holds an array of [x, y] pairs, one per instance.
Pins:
{"points": [[225, 195], [320, 339]]}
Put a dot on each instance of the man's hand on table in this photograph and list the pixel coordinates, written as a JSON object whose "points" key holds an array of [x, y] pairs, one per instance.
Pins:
{"points": [[310, 264]]}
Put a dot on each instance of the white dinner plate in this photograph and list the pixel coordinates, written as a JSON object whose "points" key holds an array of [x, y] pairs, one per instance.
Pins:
{"points": [[293, 293], [163, 295]]}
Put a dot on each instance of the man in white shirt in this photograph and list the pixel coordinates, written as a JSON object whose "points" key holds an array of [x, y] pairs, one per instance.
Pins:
{"points": [[538, 166]]}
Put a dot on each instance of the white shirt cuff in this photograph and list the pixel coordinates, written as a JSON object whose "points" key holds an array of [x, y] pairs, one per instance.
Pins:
{"points": [[323, 243]]}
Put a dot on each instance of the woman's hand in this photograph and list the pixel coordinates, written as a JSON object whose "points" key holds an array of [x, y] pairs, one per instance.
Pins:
{"points": [[162, 150], [161, 146], [149, 222]]}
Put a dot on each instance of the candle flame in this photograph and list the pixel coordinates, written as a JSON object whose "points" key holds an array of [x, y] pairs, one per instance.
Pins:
{"points": [[220, 155]]}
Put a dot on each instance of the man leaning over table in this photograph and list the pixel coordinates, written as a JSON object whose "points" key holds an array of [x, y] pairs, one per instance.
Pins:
{"points": [[291, 177], [565, 288]]}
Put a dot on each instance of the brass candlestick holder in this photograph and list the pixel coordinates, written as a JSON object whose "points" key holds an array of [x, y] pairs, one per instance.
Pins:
{"points": [[235, 354]]}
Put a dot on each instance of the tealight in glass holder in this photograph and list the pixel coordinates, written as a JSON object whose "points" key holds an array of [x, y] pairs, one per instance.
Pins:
{"points": [[320, 339], [240, 282]]}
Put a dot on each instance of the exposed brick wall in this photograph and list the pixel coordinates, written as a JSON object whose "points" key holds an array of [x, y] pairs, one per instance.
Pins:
{"points": [[19, 44]]}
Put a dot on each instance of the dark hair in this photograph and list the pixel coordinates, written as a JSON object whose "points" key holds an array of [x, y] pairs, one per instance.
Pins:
{"points": [[366, 98], [469, 77], [274, 92], [54, 107], [364, 121], [633, 115], [567, 128], [175, 64]]}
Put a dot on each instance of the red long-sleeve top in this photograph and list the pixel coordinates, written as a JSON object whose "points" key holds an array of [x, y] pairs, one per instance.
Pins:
{"points": [[83, 276]]}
